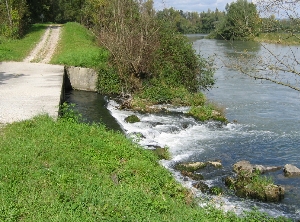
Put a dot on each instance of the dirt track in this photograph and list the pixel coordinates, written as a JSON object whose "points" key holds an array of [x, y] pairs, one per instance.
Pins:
{"points": [[45, 49]]}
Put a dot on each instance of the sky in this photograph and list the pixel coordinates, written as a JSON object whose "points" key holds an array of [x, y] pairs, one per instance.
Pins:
{"points": [[192, 5]]}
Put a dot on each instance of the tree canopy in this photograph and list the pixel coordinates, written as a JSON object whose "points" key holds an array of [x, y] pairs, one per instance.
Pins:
{"points": [[241, 22]]}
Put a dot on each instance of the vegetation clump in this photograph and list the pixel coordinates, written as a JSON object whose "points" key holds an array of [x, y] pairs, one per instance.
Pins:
{"points": [[132, 119], [254, 186]]}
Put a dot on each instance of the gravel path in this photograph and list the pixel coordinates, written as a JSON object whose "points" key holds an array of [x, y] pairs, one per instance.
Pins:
{"points": [[45, 49], [32, 87]]}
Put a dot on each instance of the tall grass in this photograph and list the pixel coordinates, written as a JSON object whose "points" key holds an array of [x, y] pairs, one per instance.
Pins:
{"points": [[17, 49], [77, 47], [68, 171]]}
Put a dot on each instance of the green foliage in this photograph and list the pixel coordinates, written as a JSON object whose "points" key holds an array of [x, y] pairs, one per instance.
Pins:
{"points": [[109, 81], [216, 190], [58, 11], [18, 49], [241, 22], [190, 22], [144, 48], [207, 112], [67, 171], [78, 47], [67, 113], [162, 94], [13, 18], [176, 63]]}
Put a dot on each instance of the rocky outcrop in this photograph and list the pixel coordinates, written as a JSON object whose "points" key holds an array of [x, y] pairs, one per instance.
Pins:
{"points": [[291, 170], [250, 184], [247, 167]]}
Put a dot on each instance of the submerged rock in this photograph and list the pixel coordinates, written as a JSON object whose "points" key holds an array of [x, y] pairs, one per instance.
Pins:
{"points": [[201, 186], [291, 170], [132, 119], [193, 176]]}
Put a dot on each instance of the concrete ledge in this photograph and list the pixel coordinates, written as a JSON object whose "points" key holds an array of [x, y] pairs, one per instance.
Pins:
{"points": [[29, 89], [82, 78]]}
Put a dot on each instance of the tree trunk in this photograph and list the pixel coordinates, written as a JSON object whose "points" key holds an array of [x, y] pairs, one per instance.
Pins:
{"points": [[9, 14]]}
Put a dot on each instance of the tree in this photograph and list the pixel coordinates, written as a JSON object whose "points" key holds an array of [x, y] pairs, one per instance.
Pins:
{"points": [[145, 48], [279, 68], [241, 22], [14, 18]]}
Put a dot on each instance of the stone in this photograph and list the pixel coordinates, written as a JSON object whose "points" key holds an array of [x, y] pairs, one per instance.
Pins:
{"points": [[264, 169], [191, 167], [274, 193], [201, 186], [291, 170], [132, 119], [193, 176], [243, 165], [246, 166], [215, 164]]}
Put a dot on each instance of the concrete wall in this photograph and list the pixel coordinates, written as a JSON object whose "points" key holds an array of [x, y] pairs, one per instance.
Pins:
{"points": [[82, 78]]}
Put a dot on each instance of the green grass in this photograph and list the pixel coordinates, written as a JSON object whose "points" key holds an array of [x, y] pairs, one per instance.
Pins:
{"points": [[17, 49], [67, 171], [78, 47], [279, 38]]}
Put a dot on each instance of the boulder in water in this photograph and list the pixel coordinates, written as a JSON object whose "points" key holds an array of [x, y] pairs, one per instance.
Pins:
{"points": [[132, 119], [291, 170]]}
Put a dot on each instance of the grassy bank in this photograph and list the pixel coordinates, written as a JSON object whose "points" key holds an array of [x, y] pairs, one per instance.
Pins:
{"points": [[77, 47], [18, 49], [279, 38], [67, 171]]}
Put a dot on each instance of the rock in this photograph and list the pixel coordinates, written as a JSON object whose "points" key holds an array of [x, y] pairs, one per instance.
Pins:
{"points": [[191, 167], [201, 186], [291, 170], [263, 169], [193, 176], [243, 165], [246, 166], [229, 182], [268, 193], [250, 184], [274, 193], [132, 119], [215, 164]]}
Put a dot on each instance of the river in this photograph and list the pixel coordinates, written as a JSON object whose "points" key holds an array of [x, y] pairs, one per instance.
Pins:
{"points": [[264, 128]]}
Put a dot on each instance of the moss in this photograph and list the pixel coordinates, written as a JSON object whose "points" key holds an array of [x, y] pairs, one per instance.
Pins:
{"points": [[132, 119]]}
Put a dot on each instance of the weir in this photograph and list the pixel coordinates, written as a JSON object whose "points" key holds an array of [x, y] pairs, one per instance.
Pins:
{"points": [[30, 89]]}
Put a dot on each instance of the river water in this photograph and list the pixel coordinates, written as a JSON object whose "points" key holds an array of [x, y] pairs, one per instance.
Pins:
{"points": [[264, 128]]}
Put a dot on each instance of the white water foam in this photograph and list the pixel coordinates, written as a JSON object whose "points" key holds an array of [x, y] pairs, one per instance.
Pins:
{"points": [[184, 137]]}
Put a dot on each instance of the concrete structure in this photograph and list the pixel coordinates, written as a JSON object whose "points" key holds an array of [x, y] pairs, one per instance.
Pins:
{"points": [[29, 89], [82, 78]]}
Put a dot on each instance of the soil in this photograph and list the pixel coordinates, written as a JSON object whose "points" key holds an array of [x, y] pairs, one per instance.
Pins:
{"points": [[45, 49]]}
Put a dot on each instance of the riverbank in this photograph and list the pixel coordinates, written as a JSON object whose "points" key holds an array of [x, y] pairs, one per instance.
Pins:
{"points": [[64, 170], [279, 38]]}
